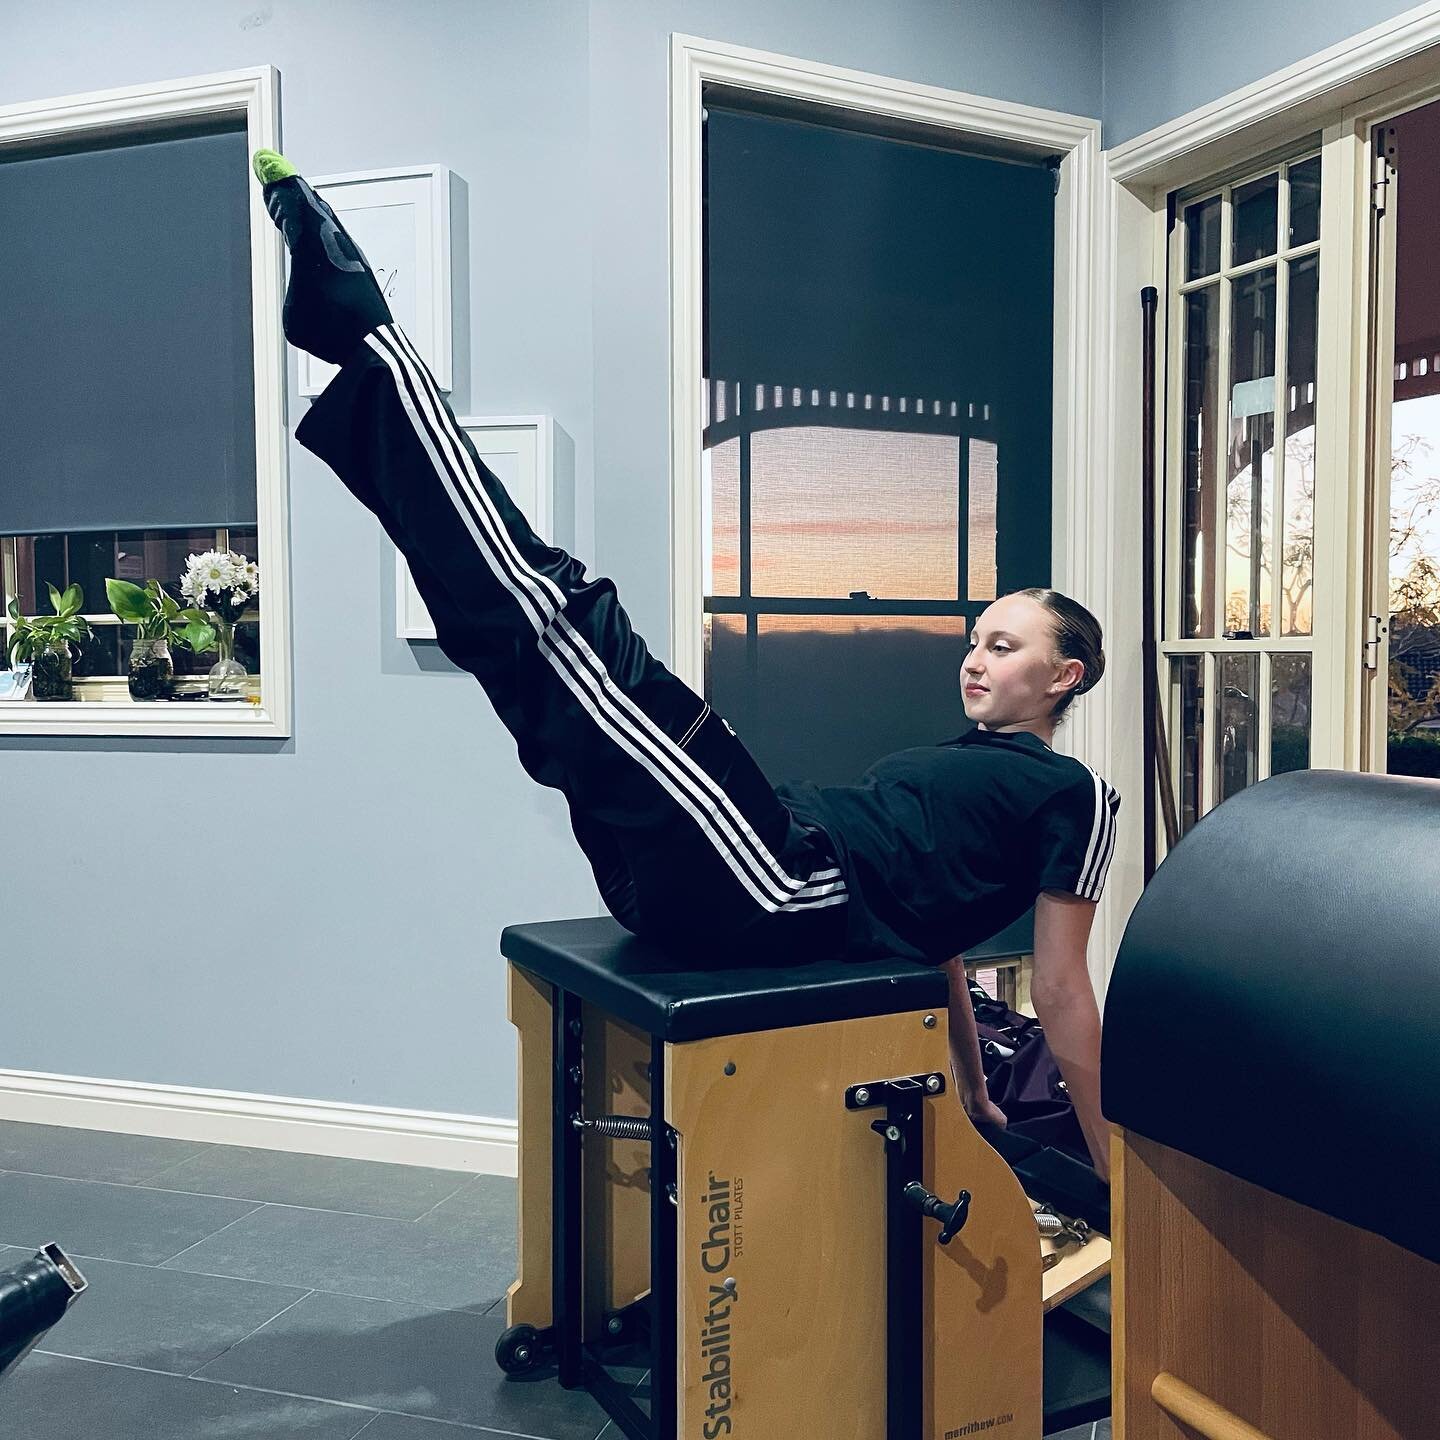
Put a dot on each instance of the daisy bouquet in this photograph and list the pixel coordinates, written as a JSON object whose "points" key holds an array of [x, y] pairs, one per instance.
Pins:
{"points": [[222, 582], [223, 585]]}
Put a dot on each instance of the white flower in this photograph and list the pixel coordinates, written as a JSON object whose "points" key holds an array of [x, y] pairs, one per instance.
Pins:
{"points": [[223, 572]]}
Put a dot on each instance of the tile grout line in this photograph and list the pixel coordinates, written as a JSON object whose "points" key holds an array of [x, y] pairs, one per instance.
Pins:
{"points": [[293, 1395], [196, 1371], [238, 1199], [461, 1186], [429, 1305], [162, 1263]]}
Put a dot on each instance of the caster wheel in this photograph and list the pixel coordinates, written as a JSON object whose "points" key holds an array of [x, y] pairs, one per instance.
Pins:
{"points": [[615, 1327], [519, 1349]]}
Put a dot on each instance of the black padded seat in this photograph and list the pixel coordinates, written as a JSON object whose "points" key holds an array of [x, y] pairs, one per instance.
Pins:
{"points": [[647, 986], [1275, 1006]]}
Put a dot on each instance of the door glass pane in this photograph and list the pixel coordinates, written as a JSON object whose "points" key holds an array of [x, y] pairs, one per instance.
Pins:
{"points": [[1239, 723], [838, 511], [1250, 469], [1187, 705], [1413, 691], [1289, 713], [1202, 439], [1305, 201], [784, 694], [1297, 569], [1414, 681], [1255, 210], [983, 485], [1202, 238]]}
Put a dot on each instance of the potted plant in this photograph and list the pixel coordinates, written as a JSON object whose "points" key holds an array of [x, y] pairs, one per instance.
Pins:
{"points": [[45, 640], [159, 622]]}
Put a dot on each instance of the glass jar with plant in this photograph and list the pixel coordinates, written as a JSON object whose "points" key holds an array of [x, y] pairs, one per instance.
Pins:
{"points": [[223, 585], [159, 622], [44, 642]]}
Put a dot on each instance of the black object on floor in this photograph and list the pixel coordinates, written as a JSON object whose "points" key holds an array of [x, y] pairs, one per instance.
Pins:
{"points": [[33, 1296]]}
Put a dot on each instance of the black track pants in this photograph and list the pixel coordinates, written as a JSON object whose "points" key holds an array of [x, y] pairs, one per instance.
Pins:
{"points": [[688, 841]]}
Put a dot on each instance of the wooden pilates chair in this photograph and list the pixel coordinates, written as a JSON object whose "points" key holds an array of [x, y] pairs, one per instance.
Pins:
{"points": [[1272, 1058], [744, 1177]]}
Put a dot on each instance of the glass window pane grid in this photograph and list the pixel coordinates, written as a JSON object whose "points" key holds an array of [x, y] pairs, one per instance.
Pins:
{"points": [[1210, 653], [187, 664], [1255, 208], [1236, 742]]}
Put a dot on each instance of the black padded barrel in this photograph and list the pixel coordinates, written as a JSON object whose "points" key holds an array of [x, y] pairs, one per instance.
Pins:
{"points": [[1275, 1005]]}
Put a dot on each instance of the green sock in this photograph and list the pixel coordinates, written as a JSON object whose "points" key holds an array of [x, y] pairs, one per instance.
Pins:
{"points": [[271, 165]]}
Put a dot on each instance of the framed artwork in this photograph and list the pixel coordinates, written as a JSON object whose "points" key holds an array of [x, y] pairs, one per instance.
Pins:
{"points": [[401, 220], [533, 458]]}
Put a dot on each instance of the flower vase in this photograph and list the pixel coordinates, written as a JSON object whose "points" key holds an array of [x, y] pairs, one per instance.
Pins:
{"points": [[228, 677]]}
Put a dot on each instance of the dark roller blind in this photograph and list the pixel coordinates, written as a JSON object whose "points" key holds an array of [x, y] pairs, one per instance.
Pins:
{"points": [[126, 361], [853, 260]]}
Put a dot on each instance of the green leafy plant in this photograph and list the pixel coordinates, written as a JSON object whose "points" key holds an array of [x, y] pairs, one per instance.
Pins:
{"points": [[156, 616], [33, 635]]}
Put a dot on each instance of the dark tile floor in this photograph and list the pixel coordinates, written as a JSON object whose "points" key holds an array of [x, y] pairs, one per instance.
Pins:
{"points": [[259, 1294]]}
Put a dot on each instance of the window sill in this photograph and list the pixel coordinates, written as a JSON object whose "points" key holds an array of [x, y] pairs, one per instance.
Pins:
{"points": [[105, 708]]}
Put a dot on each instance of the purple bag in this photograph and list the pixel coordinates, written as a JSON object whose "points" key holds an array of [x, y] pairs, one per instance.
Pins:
{"points": [[1023, 1079]]}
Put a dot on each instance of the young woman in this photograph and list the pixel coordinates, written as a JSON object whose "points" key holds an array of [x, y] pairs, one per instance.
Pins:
{"points": [[935, 849]]}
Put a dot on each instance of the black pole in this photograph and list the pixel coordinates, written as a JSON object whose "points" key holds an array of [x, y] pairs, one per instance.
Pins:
{"points": [[1156, 742], [1150, 696], [904, 1272]]}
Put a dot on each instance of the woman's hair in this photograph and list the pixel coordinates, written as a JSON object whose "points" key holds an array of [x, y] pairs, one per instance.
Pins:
{"points": [[1077, 637]]}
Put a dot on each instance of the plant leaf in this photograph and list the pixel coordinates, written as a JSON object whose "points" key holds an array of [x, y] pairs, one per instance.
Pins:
{"points": [[199, 636], [129, 601]]}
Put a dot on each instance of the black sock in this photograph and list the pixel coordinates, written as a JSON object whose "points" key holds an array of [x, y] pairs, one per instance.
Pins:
{"points": [[332, 301]]}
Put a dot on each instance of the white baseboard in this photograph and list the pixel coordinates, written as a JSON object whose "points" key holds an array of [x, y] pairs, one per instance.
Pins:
{"points": [[272, 1122]]}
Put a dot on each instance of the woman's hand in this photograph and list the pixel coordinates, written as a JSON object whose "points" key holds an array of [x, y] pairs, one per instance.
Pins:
{"points": [[983, 1111]]}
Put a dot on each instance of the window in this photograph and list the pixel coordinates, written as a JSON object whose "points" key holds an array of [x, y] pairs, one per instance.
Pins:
{"points": [[144, 389], [875, 414], [1238, 632], [850, 542], [32, 563]]}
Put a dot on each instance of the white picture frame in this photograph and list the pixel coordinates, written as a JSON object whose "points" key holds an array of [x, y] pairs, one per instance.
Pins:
{"points": [[534, 459], [401, 220]]}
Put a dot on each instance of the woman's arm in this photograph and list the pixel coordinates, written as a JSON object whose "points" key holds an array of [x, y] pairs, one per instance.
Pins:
{"points": [[965, 1065], [1065, 1004]]}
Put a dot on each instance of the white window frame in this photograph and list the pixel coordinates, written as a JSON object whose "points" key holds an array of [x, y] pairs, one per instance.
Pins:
{"points": [[1339, 92], [103, 707], [1170, 541], [1082, 543]]}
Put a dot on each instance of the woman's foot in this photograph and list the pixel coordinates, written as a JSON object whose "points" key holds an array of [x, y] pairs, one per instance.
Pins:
{"points": [[332, 301]]}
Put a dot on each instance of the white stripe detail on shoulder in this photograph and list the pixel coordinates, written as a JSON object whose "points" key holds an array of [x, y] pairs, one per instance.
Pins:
{"points": [[542, 602], [1102, 841]]}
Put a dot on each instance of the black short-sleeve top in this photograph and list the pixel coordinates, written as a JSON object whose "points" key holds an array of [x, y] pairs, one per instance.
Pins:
{"points": [[945, 845]]}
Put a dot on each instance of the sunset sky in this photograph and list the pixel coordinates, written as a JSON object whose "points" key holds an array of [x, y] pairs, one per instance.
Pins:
{"points": [[839, 509]]}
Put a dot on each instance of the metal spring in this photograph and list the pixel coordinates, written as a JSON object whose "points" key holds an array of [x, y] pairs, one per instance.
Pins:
{"points": [[1050, 1225], [617, 1127]]}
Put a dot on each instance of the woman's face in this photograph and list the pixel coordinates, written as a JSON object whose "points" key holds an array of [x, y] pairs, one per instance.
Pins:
{"points": [[1011, 675]]}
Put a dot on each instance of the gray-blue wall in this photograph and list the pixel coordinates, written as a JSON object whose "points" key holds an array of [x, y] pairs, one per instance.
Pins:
{"points": [[1165, 57], [345, 949]]}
